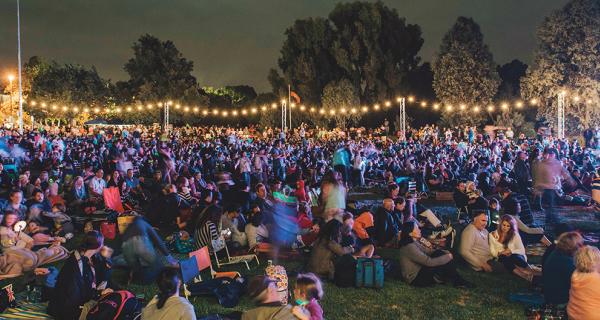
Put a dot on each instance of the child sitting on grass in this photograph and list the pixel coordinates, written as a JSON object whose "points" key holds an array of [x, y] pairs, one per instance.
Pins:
{"points": [[308, 292]]}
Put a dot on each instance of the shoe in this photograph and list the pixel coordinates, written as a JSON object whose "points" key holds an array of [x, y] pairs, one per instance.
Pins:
{"points": [[438, 279]]}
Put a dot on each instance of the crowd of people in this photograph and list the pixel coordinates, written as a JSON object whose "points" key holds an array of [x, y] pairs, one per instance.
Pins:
{"points": [[269, 189]]}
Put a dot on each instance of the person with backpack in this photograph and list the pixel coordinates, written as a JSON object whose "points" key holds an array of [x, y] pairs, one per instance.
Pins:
{"points": [[167, 304], [76, 290]]}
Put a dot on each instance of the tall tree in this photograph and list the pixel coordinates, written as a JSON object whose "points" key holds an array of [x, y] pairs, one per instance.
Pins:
{"points": [[375, 47], [464, 72], [567, 59], [341, 96], [421, 85], [306, 61], [510, 76], [158, 71]]}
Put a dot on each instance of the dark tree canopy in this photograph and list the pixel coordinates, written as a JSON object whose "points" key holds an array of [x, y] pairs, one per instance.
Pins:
{"points": [[367, 43], [158, 71], [464, 72], [306, 60], [567, 59], [375, 47], [510, 75]]}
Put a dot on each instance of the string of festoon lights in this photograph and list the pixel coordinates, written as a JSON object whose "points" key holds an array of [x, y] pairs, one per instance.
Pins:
{"points": [[251, 111]]}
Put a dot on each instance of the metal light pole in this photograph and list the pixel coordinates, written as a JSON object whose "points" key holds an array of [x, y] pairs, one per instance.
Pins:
{"points": [[166, 111], [560, 132], [402, 119], [19, 61], [284, 113]]}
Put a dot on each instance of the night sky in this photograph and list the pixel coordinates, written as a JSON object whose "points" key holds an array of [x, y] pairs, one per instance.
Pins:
{"points": [[234, 42]]}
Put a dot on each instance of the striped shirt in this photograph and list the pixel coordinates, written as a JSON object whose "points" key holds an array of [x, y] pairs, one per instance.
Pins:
{"points": [[205, 234]]}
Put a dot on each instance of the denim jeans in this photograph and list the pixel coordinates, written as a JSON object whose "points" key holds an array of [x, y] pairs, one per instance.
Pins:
{"points": [[143, 259], [549, 201]]}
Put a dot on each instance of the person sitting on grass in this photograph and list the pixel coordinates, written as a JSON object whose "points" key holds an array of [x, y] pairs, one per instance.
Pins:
{"points": [[517, 205], [167, 304], [475, 247], [506, 245], [76, 290], [350, 239], [263, 291], [559, 267], [307, 293], [584, 295], [421, 265], [386, 226], [327, 249]]}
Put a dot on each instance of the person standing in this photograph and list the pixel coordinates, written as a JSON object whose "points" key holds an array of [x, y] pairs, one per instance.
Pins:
{"points": [[548, 175]]}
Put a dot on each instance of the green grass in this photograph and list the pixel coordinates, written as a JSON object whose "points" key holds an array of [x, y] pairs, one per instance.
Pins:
{"points": [[395, 301]]}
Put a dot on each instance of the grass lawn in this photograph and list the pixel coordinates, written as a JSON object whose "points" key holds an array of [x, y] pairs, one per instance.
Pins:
{"points": [[395, 301]]}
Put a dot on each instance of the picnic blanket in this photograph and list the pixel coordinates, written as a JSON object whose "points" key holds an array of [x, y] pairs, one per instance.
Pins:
{"points": [[28, 310]]}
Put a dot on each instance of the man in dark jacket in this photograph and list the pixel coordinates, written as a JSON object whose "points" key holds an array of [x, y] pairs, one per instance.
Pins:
{"points": [[386, 228], [76, 283], [461, 199], [522, 173]]}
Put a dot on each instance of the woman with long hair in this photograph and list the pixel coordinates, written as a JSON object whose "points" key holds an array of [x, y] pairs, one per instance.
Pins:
{"points": [[167, 304], [421, 265], [507, 246], [327, 248]]}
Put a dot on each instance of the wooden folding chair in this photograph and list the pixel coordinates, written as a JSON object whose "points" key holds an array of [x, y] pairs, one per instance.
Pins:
{"points": [[220, 245], [203, 260]]}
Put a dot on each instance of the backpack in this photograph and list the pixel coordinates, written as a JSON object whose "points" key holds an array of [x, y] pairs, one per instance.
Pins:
{"points": [[345, 271], [118, 305], [279, 274]]}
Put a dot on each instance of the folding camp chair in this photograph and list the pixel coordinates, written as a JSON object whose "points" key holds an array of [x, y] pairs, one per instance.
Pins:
{"points": [[189, 270], [112, 199], [203, 259], [220, 245]]}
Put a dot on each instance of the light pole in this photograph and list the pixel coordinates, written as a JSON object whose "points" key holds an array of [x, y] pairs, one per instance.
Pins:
{"points": [[19, 61], [402, 119], [166, 113]]}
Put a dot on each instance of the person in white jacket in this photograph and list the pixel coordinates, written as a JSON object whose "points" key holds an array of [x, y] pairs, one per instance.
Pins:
{"points": [[507, 246]]}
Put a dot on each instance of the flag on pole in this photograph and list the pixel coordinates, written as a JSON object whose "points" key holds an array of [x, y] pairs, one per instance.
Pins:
{"points": [[295, 96]]}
